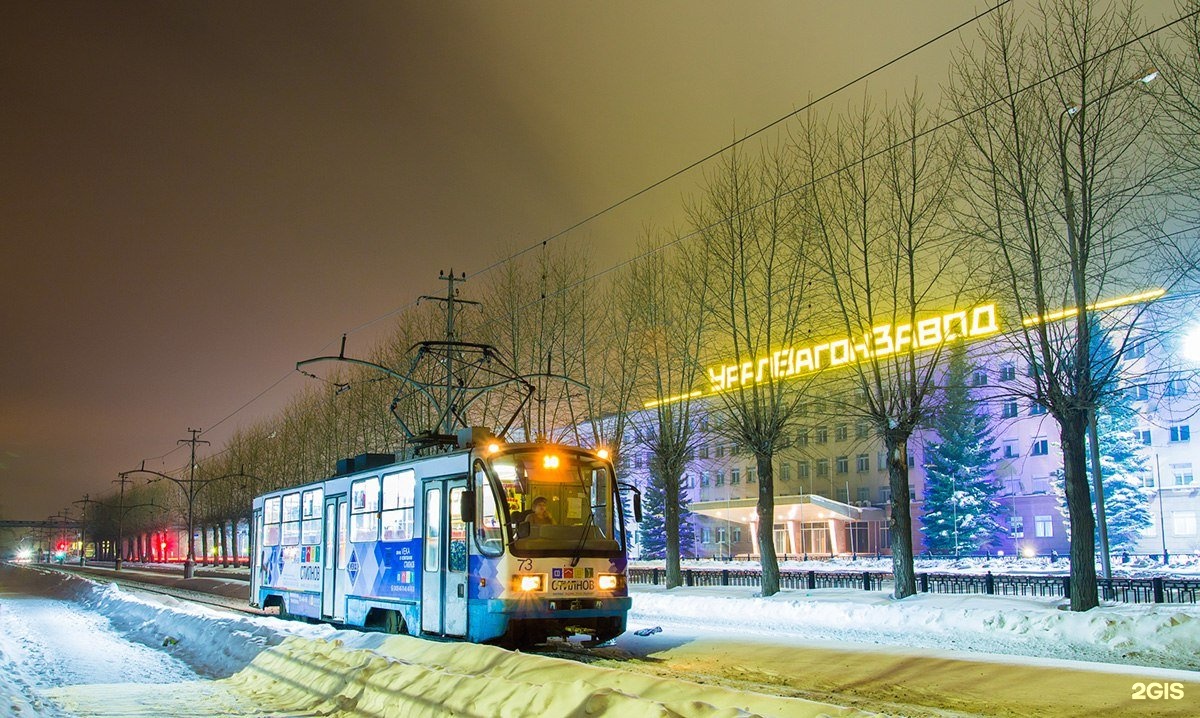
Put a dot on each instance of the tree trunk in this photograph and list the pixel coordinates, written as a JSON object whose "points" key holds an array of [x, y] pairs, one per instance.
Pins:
{"points": [[233, 539], [203, 545], [1079, 512], [224, 544], [671, 521], [900, 521], [766, 525]]}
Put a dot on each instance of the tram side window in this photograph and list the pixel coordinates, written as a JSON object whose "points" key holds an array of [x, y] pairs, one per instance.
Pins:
{"points": [[311, 504], [271, 521], [291, 519], [364, 511], [487, 525], [398, 505]]}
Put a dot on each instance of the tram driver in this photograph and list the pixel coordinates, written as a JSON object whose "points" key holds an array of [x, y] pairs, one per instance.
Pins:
{"points": [[540, 516]]}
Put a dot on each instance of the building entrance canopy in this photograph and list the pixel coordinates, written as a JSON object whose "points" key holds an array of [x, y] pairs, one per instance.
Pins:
{"points": [[799, 507]]}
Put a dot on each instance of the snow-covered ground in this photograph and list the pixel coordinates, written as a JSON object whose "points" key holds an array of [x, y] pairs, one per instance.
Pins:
{"points": [[71, 648]]}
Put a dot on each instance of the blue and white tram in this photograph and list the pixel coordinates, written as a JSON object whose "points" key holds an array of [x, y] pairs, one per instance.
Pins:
{"points": [[448, 546]]}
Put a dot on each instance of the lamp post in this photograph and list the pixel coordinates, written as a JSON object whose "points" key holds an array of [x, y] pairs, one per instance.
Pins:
{"points": [[1078, 281], [1162, 526]]}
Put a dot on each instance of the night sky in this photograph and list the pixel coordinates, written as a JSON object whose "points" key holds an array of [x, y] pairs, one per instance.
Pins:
{"points": [[194, 196]]}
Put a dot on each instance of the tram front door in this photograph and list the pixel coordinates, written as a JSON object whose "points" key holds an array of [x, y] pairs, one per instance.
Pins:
{"points": [[444, 584]]}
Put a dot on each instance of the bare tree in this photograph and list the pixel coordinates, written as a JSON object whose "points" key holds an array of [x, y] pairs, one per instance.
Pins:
{"points": [[758, 272], [1060, 178], [668, 301], [895, 277]]}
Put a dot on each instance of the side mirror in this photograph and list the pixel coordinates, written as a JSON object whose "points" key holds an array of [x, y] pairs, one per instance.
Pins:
{"points": [[466, 507], [637, 507]]}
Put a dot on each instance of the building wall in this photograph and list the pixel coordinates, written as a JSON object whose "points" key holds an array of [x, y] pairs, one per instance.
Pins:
{"points": [[835, 455]]}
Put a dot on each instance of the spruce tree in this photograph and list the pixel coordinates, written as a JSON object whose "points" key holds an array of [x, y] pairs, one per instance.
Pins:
{"points": [[653, 528], [960, 510], [1126, 503]]}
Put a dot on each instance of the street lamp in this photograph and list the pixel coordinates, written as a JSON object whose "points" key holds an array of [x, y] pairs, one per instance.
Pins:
{"points": [[1078, 281]]}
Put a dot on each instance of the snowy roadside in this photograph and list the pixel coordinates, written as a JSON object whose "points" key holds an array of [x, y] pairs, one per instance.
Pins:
{"points": [[271, 667], [1162, 636]]}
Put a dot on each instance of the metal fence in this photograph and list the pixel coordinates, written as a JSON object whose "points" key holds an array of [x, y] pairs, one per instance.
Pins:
{"points": [[1126, 590]]}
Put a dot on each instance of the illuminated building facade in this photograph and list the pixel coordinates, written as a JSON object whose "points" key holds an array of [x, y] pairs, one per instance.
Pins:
{"points": [[831, 485]]}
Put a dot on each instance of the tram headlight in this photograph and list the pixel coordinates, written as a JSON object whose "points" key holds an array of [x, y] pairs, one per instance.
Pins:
{"points": [[531, 582], [608, 581]]}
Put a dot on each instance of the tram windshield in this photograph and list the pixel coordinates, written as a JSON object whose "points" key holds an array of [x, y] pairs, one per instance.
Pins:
{"points": [[558, 501]]}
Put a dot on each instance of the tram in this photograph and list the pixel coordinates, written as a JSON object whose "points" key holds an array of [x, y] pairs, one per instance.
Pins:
{"points": [[451, 546]]}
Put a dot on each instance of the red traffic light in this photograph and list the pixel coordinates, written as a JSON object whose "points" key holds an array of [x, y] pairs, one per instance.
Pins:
{"points": [[62, 545]]}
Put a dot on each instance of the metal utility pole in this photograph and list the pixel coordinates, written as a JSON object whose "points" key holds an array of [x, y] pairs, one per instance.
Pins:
{"points": [[189, 563], [121, 480], [450, 299]]}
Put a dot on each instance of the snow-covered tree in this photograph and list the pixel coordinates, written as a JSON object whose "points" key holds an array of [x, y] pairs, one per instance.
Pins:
{"points": [[960, 490], [653, 528], [1126, 503]]}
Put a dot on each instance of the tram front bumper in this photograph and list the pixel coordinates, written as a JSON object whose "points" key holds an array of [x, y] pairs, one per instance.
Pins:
{"points": [[541, 607]]}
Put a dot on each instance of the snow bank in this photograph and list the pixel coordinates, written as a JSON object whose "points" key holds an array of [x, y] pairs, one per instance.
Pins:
{"points": [[1166, 635], [418, 678]]}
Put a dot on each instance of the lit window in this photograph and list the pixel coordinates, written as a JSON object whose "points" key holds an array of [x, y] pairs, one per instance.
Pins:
{"points": [[1043, 526]]}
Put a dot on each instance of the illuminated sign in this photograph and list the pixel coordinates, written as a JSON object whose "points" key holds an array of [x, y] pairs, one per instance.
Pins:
{"points": [[878, 342], [1107, 304]]}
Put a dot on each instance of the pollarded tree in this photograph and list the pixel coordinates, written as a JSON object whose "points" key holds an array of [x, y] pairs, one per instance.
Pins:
{"points": [[758, 265], [1060, 181], [881, 188], [669, 299], [961, 510]]}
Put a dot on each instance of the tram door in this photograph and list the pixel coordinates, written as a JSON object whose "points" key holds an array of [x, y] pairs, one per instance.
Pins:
{"points": [[444, 585], [256, 567], [334, 559]]}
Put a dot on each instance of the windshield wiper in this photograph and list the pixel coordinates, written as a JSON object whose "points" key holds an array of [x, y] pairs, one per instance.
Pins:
{"points": [[583, 536]]}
